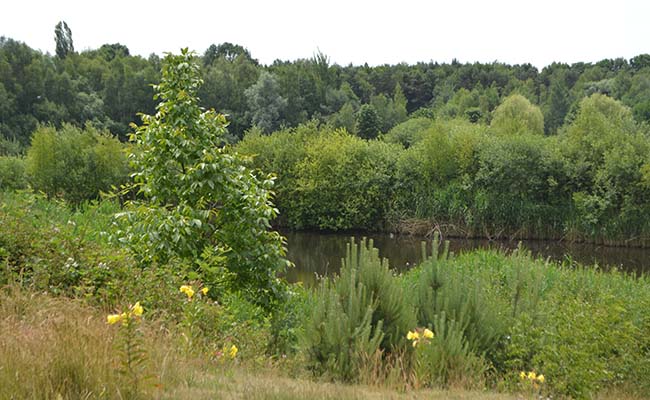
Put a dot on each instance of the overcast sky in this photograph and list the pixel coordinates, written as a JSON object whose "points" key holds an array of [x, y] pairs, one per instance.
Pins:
{"points": [[348, 31]]}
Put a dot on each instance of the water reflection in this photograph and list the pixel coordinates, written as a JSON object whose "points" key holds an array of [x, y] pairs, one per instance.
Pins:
{"points": [[320, 253]]}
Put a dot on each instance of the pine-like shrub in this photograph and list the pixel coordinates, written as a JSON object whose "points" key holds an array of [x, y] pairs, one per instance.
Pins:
{"points": [[448, 360], [361, 313], [450, 291]]}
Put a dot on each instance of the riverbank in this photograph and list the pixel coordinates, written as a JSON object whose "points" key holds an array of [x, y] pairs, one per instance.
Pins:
{"points": [[319, 253], [491, 315], [589, 183]]}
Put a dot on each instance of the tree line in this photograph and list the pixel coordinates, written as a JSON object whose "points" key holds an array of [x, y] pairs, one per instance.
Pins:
{"points": [[109, 86]]}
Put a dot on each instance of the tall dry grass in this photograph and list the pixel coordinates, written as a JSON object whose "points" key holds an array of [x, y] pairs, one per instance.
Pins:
{"points": [[59, 348]]}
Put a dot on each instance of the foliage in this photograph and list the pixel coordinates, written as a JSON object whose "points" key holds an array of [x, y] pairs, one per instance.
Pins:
{"points": [[342, 183], [494, 315], [63, 38], [327, 179], [368, 122], [50, 247], [448, 360], [588, 183], [12, 173], [204, 207], [516, 116], [265, 103], [454, 306], [408, 132], [75, 164], [356, 316]]}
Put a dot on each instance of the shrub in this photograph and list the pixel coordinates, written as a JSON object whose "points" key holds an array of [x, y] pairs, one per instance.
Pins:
{"points": [[448, 360], [12, 173], [409, 132], [343, 183], [356, 317], [446, 290], [516, 116], [76, 164]]}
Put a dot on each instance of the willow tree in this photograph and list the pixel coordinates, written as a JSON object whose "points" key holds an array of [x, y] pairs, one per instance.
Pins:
{"points": [[516, 115], [201, 206]]}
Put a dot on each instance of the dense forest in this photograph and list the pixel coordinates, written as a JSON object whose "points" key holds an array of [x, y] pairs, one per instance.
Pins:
{"points": [[109, 86], [474, 150]]}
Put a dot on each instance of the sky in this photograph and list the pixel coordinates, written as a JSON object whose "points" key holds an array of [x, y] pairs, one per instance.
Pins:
{"points": [[348, 31]]}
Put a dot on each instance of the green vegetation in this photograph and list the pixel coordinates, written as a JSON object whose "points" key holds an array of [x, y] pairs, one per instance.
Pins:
{"points": [[492, 316], [506, 180], [108, 86], [474, 160], [168, 289], [201, 206], [75, 164]]}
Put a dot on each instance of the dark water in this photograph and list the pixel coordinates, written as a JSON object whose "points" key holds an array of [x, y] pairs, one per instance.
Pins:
{"points": [[321, 253]]}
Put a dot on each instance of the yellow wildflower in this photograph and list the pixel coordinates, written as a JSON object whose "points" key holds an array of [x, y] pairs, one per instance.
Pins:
{"points": [[532, 376], [412, 335], [233, 351], [205, 290], [137, 309], [541, 379], [189, 292], [522, 375], [113, 319], [428, 334]]}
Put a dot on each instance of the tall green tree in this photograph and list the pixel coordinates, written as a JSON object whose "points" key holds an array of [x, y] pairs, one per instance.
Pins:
{"points": [[558, 103], [202, 207], [63, 39], [368, 123], [265, 103]]}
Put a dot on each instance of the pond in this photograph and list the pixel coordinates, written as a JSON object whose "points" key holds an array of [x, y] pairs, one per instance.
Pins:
{"points": [[316, 253]]}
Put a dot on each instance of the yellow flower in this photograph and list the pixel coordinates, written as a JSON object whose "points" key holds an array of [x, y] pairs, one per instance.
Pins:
{"points": [[412, 335], [137, 309], [189, 292], [205, 290], [522, 375], [541, 379], [233, 351], [428, 334], [532, 376], [113, 319]]}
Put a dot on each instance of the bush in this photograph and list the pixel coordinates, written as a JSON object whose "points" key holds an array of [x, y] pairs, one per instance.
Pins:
{"points": [[448, 359], [75, 164], [343, 183], [356, 317], [280, 154], [445, 290], [409, 132], [12, 173], [586, 331], [516, 116]]}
